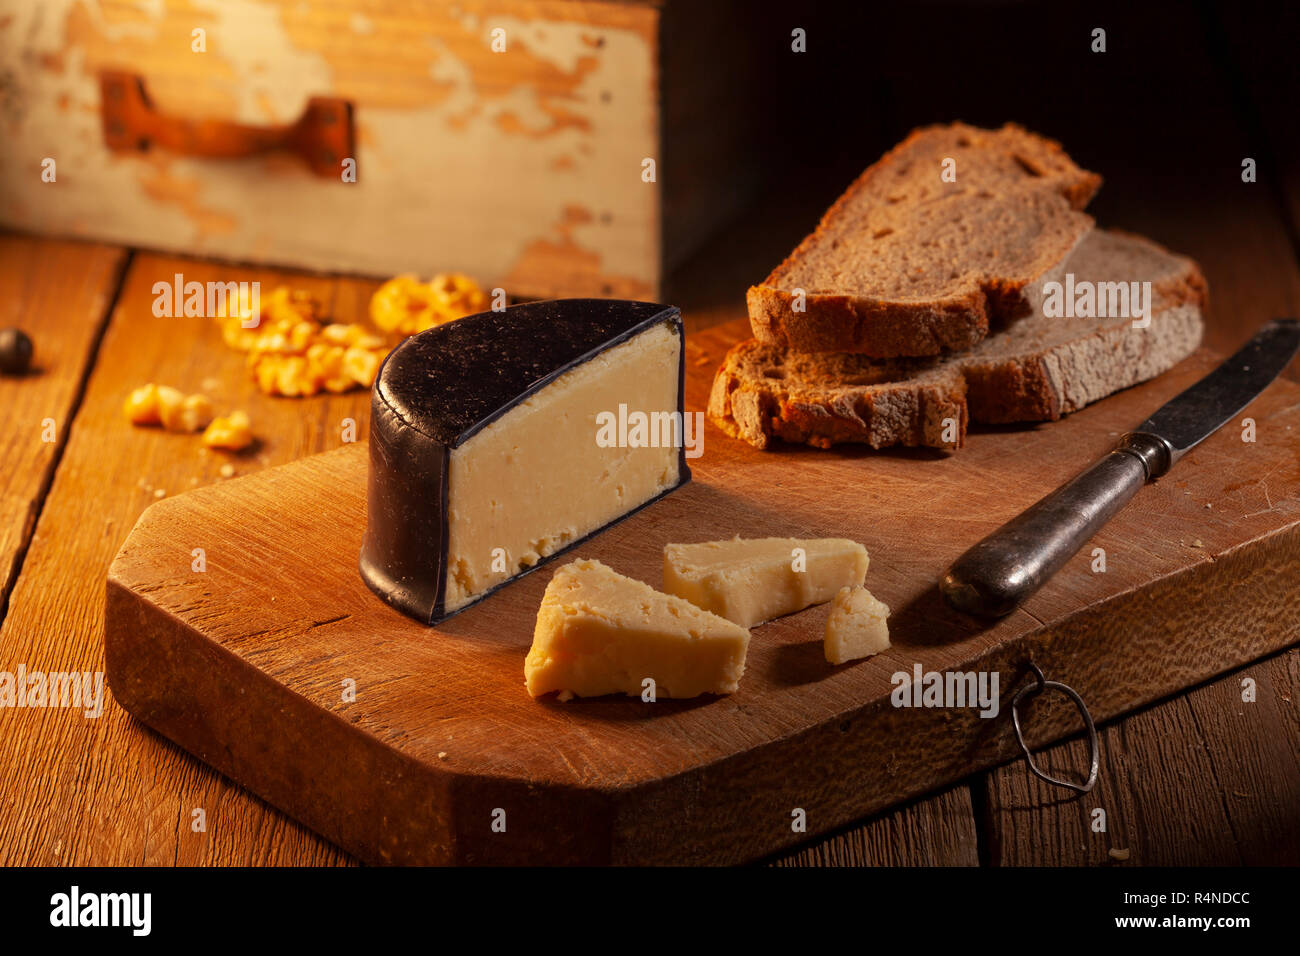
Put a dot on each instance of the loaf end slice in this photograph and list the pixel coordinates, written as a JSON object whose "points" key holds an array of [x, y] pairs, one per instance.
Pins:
{"points": [[906, 264], [1044, 367], [762, 394]]}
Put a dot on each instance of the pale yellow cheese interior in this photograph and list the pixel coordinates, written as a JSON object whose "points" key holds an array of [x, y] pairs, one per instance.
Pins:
{"points": [[537, 479], [599, 632], [753, 580], [857, 626]]}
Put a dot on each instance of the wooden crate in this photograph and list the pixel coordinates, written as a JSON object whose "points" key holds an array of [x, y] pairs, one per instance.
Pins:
{"points": [[523, 168]]}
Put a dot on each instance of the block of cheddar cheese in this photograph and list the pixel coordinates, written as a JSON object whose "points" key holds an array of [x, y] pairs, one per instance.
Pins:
{"points": [[489, 451], [752, 580], [599, 632]]}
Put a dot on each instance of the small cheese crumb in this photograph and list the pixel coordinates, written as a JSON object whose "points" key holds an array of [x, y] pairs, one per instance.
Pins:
{"points": [[857, 626], [159, 493], [1117, 854]]}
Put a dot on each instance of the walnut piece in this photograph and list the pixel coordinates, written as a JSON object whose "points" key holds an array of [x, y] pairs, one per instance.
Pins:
{"points": [[170, 407], [232, 432]]}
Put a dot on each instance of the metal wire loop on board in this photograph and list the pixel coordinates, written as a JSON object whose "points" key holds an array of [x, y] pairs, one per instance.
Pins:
{"points": [[1037, 688]]}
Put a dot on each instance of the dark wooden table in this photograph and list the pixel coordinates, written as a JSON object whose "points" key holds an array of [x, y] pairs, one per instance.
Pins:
{"points": [[1200, 778]]}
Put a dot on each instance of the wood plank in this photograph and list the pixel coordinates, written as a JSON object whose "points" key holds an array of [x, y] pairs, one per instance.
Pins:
{"points": [[692, 781], [933, 831], [58, 292], [103, 791], [1203, 779]]}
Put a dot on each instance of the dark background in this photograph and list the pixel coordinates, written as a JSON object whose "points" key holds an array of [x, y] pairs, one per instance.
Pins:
{"points": [[1183, 93]]}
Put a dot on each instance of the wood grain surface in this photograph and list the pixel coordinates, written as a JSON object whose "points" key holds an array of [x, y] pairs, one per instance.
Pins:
{"points": [[106, 791], [98, 790], [440, 732], [933, 831], [1201, 777], [60, 292]]}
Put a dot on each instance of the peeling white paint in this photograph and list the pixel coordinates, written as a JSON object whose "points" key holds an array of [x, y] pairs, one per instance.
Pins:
{"points": [[152, 9], [560, 44], [450, 69], [250, 37], [442, 187]]}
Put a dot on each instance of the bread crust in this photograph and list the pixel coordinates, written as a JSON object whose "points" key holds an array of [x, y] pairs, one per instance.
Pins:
{"points": [[887, 328], [762, 393], [842, 323]]}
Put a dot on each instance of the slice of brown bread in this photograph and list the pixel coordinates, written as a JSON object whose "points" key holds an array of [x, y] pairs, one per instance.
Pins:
{"points": [[1038, 369], [906, 264]]}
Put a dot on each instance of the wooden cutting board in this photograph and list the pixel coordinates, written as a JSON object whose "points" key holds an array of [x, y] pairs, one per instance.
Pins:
{"points": [[406, 744]]}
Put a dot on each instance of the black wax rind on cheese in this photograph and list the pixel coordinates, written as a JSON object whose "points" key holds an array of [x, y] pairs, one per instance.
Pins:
{"points": [[437, 390]]}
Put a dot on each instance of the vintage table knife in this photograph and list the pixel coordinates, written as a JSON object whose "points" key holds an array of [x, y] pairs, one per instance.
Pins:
{"points": [[992, 578]]}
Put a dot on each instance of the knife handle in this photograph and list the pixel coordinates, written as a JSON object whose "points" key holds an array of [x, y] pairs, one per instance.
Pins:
{"points": [[992, 578]]}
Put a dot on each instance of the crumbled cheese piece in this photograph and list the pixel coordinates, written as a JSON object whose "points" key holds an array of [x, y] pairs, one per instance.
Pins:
{"points": [[857, 626]]}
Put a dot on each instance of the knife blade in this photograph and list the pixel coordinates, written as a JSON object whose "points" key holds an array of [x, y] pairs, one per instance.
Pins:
{"points": [[996, 575]]}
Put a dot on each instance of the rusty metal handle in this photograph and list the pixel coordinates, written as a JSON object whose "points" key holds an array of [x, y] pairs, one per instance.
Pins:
{"points": [[996, 575], [322, 136]]}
